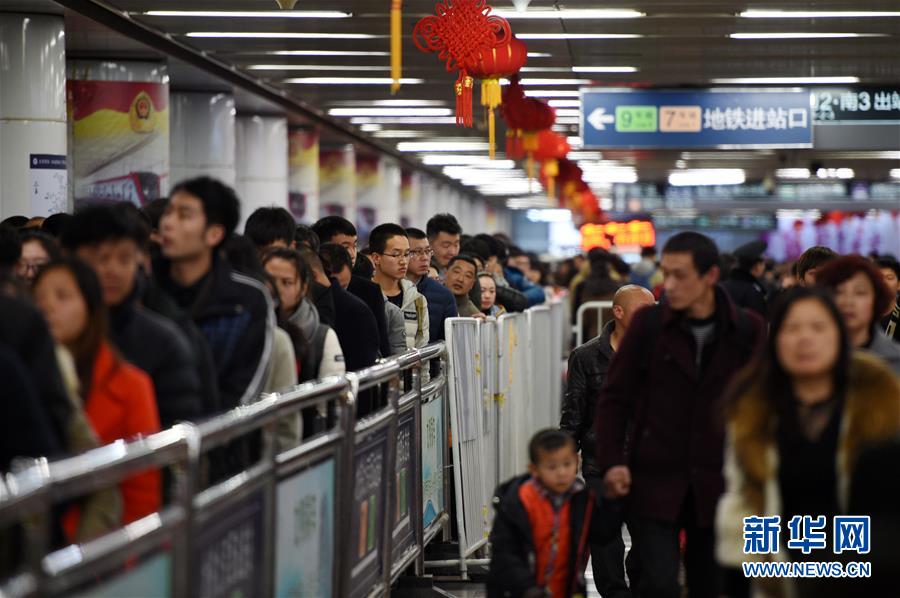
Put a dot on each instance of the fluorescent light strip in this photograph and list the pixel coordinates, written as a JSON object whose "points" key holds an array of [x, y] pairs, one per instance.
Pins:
{"points": [[441, 146], [369, 128], [554, 36], [273, 35], [565, 104], [786, 80], [403, 120], [539, 55], [251, 14], [565, 113], [314, 67], [390, 112], [604, 69], [464, 160], [552, 93], [792, 173], [895, 173], [325, 53], [835, 173], [706, 177], [399, 134], [568, 120], [350, 81], [570, 13], [544, 69], [818, 14], [803, 35], [391, 103], [539, 81]]}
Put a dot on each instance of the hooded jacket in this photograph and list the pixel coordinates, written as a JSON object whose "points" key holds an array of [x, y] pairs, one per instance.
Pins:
{"points": [[870, 413], [324, 357], [415, 315], [514, 554]]}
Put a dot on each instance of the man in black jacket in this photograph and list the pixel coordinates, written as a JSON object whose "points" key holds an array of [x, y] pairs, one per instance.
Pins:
{"points": [[111, 239], [233, 311], [587, 372], [743, 283], [340, 231]]}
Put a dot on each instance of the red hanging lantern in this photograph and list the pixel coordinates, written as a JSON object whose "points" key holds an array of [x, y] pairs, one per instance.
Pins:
{"points": [[461, 32], [524, 117], [551, 146], [503, 61]]}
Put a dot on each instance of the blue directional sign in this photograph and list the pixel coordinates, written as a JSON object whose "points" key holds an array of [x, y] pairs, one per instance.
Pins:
{"points": [[695, 119]]}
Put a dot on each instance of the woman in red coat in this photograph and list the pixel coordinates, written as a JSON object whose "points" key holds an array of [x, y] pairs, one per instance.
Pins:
{"points": [[119, 399]]}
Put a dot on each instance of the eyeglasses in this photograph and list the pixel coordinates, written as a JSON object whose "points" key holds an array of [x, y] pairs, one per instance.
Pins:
{"points": [[397, 256], [420, 253]]}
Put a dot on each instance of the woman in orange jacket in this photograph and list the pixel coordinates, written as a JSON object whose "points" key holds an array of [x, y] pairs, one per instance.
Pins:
{"points": [[120, 402]]}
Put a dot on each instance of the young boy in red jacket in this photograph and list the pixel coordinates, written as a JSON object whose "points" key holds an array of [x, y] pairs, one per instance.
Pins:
{"points": [[543, 523]]}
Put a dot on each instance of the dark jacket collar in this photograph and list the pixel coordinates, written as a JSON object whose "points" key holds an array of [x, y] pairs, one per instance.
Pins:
{"points": [[725, 315], [217, 294], [605, 337], [742, 275]]}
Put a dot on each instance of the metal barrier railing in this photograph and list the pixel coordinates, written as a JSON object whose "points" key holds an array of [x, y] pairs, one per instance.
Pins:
{"points": [[343, 513], [585, 307], [278, 527]]}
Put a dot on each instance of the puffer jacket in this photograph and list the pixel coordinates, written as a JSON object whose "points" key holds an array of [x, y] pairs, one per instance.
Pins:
{"points": [[324, 357], [517, 280], [588, 365], [396, 328], [415, 316], [441, 305]]}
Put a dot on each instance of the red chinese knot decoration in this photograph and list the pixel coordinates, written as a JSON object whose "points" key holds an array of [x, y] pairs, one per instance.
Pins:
{"points": [[461, 32]]}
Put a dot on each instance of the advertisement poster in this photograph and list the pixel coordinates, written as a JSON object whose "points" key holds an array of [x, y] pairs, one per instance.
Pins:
{"points": [[368, 193], [337, 182], [404, 485], [120, 140], [152, 577], [303, 173], [48, 184], [367, 514], [432, 459], [304, 553], [230, 552]]}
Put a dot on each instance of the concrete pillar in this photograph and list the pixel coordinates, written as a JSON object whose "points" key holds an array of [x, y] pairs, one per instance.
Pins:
{"points": [[303, 174], [119, 130], [202, 136], [33, 176], [337, 182], [410, 198], [261, 144]]}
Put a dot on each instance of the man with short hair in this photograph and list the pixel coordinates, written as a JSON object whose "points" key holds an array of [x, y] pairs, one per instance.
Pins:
{"points": [[111, 241], [460, 278], [890, 269], [809, 263], [517, 278], [660, 434], [588, 365], [270, 227], [340, 231], [441, 303], [511, 299], [234, 312], [390, 249], [743, 282], [444, 234], [305, 237]]}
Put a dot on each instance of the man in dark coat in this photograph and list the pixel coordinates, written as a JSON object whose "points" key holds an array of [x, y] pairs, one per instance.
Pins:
{"points": [[441, 303], [340, 231], [660, 431], [588, 365], [111, 240], [743, 282]]}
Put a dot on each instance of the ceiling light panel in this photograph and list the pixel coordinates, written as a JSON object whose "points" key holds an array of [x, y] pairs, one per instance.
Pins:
{"points": [[398, 133], [818, 14], [390, 112], [803, 35], [786, 80], [325, 53], [391, 103], [278, 35], [895, 173], [604, 69], [552, 93], [314, 67], [251, 14], [350, 81], [462, 160], [576, 36], [706, 177], [565, 103], [403, 120], [443, 146], [792, 173], [571, 13]]}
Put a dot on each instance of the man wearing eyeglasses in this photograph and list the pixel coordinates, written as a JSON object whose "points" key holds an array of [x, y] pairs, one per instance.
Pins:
{"points": [[441, 303], [391, 254]]}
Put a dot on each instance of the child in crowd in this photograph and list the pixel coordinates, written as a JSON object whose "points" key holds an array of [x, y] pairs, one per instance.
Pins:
{"points": [[543, 524]]}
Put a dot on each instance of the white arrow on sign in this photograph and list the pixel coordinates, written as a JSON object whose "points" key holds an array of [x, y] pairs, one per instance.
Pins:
{"points": [[599, 118]]}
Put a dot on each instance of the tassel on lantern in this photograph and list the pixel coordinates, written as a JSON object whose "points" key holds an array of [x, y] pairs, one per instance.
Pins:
{"points": [[551, 171], [490, 99], [396, 45], [463, 89], [529, 144]]}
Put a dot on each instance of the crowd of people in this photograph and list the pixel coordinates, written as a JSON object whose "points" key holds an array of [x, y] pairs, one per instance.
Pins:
{"points": [[117, 322], [721, 388]]}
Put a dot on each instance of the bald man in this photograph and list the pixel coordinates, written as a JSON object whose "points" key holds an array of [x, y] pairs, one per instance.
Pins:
{"points": [[588, 365]]}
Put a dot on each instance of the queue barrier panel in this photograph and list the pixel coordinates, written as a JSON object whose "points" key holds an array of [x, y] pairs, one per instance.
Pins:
{"points": [[542, 353], [224, 539]]}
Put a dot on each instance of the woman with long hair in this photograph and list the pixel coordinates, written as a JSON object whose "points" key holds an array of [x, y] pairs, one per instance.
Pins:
{"points": [[863, 298], [119, 400], [800, 416]]}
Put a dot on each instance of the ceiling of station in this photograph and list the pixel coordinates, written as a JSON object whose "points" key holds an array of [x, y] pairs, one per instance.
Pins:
{"points": [[323, 61]]}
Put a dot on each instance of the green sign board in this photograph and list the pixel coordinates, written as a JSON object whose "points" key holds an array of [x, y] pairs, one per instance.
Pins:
{"points": [[636, 119]]}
